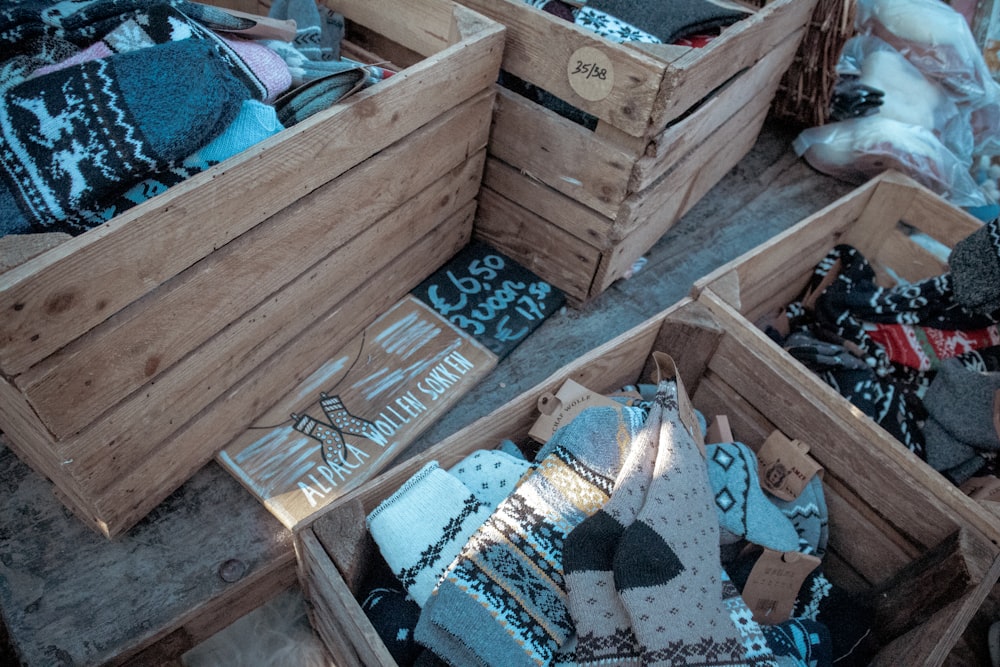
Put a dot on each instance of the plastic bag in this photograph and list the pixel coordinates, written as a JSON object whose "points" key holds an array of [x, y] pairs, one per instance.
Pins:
{"points": [[858, 149]]}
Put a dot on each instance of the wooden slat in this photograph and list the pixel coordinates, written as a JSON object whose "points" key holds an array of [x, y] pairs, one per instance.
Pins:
{"points": [[121, 505], [554, 255], [649, 214], [689, 133], [556, 208], [560, 153], [137, 427], [738, 47], [145, 340], [59, 295], [540, 48]]}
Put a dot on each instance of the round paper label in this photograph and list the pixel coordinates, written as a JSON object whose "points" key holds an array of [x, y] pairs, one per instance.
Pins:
{"points": [[591, 73]]}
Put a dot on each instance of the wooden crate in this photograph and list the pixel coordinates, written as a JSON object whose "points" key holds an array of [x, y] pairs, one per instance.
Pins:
{"points": [[875, 218], [883, 520], [578, 207], [133, 352]]}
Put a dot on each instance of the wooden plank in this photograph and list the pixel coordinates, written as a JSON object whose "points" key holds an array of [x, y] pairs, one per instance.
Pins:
{"points": [[558, 152], [541, 47], [738, 47], [205, 374], [695, 128], [58, 295], [397, 22], [404, 370], [662, 205], [556, 256], [132, 496], [141, 343], [101, 600], [548, 204]]}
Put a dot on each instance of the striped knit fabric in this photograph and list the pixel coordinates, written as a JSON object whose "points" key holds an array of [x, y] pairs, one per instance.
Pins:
{"points": [[503, 602]]}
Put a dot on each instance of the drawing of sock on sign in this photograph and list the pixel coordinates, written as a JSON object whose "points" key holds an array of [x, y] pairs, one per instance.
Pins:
{"points": [[331, 435]]}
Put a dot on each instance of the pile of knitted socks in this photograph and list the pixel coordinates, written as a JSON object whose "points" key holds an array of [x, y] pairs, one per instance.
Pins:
{"points": [[574, 556], [922, 359], [106, 103]]}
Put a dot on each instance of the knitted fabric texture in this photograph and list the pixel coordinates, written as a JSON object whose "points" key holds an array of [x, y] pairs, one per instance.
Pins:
{"points": [[503, 601], [76, 137], [422, 527], [666, 21], [667, 566], [800, 643], [923, 348], [745, 512], [490, 474], [809, 517], [603, 631], [974, 264]]}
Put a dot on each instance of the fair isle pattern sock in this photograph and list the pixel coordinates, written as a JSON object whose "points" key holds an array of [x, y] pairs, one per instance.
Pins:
{"points": [[974, 266], [751, 633], [744, 511], [666, 566], [809, 517], [76, 137], [800, 642], [503, 600], [603, 632], [668, 20], [490, 474], [923, 348], [422, 526]]}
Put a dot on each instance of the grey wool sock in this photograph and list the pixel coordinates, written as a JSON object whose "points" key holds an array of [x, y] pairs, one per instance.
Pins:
{"points": [[959, 426], [668, 20], [809, 516], [491, 474], [503, 600], [603, 631], [974, 266], [744, 511], [667, 567]]}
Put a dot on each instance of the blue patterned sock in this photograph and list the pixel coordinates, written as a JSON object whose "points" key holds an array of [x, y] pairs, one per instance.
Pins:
{"points": [[744, 511], [77, 137], [808, 515], [503, 601]]}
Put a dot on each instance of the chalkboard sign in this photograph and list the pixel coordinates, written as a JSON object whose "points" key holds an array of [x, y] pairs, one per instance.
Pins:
{"points": [[490, 297]]}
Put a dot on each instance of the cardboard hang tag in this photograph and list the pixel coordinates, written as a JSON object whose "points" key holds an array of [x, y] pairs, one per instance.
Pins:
{"points": [[774, 584], [557, 410], [666, 369], [785, 467], [719, 431]]}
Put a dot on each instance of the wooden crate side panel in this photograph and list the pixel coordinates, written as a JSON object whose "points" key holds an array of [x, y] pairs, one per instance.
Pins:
{"points": [[560, 153], [59, 295], [540, 49], [553, 254], [24, 431], [141, 343], [134, 495], [651, 213], [185, 389], [753, 86], [768, 277], [562, 211], [740, 46]]}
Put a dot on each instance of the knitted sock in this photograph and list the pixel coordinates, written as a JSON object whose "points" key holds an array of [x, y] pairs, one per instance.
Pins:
{"points": [[923, 348], [809, 517], [959, 425], [267, 66], [503, 600], [490, 474], [393, 614], [751, 633], [255, 122], [80, 136], [744, 510], [603, 629], [666, 565], [974, 264], [319, 94], [668, 21], [800, 642], [421, 527], [317, 37]]}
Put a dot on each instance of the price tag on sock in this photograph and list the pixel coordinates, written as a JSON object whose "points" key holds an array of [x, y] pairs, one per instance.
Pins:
{"points": [[560, 408], [785, 467], [774, 584]]}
